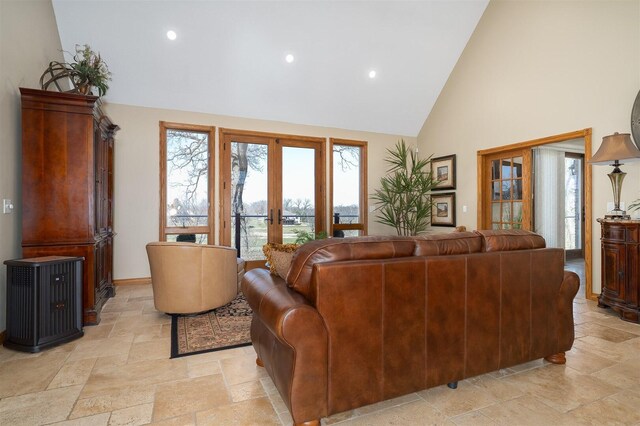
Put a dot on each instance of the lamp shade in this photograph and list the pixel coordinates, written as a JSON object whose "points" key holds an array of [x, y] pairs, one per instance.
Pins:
{"points": [[616, 147]]}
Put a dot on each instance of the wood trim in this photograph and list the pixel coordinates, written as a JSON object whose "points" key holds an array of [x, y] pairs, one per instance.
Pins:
{"points": [[588, 217], [132, 281], [348, 226], [164, 229], [249, 133], [585, 134], [3, 336], [537, 142], [480, 188], [527, 175], [363, 225], [173, 230]]}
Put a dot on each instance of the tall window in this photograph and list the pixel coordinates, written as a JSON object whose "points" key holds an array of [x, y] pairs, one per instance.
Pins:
{"points": [[186, 193], [348, 187]]}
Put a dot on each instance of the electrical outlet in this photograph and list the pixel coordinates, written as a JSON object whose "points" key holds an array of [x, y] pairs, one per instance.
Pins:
{"points": [[7, 206]]}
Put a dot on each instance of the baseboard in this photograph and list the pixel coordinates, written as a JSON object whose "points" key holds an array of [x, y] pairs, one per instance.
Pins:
{"points": [[3, 335], [132, 281]]}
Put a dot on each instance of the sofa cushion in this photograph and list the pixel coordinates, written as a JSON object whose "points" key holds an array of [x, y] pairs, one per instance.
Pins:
{"points": [[279, 257], [450, 243], [510, 239], [337, 249]]}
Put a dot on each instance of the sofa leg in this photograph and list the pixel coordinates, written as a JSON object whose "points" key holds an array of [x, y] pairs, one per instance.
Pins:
{"points": [[558, 358], [453, 385], [259, 362], [309, 423]]}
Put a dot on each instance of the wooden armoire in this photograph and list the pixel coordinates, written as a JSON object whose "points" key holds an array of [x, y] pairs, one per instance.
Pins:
{"points": [[67, 187]]}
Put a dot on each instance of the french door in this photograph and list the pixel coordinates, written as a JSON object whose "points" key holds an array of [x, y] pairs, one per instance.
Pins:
{"points": [[505, 195], [272, 190]]}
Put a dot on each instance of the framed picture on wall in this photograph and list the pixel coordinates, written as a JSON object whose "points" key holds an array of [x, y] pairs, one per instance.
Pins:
{"points": [[443, 211], [443, 170]]}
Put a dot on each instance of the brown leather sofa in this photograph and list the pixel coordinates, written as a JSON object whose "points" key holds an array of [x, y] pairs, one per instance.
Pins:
{"points": [[189, 278], [361, 320]]}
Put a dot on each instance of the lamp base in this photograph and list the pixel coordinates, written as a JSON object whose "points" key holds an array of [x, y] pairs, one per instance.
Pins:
{"points": [[617, 214]]}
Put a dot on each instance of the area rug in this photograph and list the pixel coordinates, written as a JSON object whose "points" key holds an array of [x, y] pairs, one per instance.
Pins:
{"points": [[223, 328]]}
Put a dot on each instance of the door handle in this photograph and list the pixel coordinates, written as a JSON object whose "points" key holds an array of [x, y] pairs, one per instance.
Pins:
{"points": [[279, 217], [270, 218]]}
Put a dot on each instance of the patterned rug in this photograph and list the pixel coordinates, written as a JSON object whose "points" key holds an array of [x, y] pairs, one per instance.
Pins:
{"points": [[223, 328]]}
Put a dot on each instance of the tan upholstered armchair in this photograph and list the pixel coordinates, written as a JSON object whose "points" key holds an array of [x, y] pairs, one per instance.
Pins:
{"points": [[190, 278]]}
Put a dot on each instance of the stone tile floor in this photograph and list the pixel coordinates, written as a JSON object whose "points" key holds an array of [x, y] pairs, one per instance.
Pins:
{"points": [[120, 373]]}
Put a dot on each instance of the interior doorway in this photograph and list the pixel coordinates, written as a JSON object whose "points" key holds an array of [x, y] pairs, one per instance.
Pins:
{"points": [[493, 195]]}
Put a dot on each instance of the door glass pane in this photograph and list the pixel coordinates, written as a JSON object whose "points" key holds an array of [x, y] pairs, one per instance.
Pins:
{"points": [[495, 169], [506, 212], [495, 212], [506, 169], [298, 192], [495, 193], [517, 189], [249, 199], [506, 189], [187, 178], [573, 203], [346, 185], [517, 212], [517, 167]]}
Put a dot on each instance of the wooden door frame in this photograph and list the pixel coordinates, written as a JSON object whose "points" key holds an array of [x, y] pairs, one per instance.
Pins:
{"points": [[588, 214], [226, 135]]}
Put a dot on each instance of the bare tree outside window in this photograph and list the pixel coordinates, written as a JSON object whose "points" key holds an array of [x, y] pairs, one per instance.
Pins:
{"points": [[187, 178]]}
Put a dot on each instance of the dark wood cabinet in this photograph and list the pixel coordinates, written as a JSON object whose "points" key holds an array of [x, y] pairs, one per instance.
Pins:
{"points": [[621, 267], [67, 187]]}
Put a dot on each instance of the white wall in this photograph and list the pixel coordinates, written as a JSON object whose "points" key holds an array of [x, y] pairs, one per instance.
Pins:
{"points": [[28, 42], [534, 69], [137, 172]]}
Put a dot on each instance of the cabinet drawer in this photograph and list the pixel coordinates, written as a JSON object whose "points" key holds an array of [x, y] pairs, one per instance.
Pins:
{"points": [[614, 233], [632, 234]]}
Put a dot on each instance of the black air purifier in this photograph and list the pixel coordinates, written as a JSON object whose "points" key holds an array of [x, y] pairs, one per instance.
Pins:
{"points": [[44, 302]]}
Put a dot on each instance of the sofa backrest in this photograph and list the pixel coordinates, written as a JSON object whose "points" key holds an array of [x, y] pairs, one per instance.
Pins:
{"points": [[389, 247], [450, 243], [510, 239], [337, 249]]}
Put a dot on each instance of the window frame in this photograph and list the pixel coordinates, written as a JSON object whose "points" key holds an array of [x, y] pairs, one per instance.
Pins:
{"points": [[363, 225], [209, 229]]}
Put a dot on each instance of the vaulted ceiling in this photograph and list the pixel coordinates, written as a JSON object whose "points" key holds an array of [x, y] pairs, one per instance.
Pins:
{"points": [[229, 57]]}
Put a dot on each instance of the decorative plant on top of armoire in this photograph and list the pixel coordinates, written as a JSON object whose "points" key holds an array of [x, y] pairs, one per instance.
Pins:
{"points": [[403, 198], [88, 70]]}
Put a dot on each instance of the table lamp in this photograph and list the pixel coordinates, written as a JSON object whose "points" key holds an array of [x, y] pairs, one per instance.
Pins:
{"points": [[614, 149]]}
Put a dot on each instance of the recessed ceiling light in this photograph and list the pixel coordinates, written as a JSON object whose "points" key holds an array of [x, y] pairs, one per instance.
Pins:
{"points": [[289, 58], [171, 35], [372, 74]]}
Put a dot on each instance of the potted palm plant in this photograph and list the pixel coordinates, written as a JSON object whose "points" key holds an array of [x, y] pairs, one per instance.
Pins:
{"points": [[403, 200]]}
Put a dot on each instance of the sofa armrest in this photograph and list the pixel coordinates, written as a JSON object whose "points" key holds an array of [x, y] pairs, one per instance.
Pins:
{"points": [[289, 336], [567, 292], [277, 305]]}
